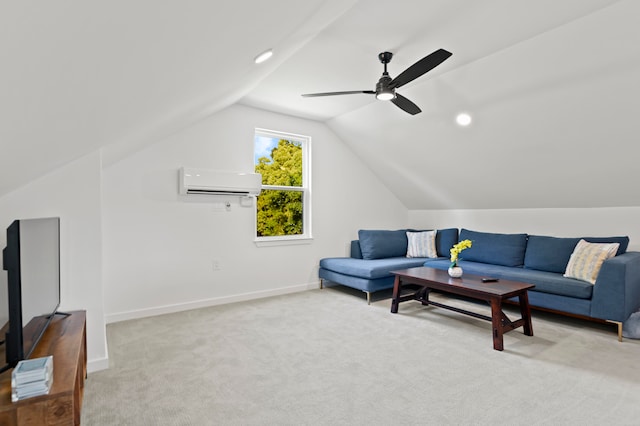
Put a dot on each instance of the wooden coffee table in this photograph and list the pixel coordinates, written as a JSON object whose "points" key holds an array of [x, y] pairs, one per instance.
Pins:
{"points": [[470, 286]]}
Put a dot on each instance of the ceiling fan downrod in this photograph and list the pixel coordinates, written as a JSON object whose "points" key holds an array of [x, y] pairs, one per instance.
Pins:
{"points": [[383, 91]]}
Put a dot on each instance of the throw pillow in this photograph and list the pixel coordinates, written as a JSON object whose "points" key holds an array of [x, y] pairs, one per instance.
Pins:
{"points": [[587, 259], [421, 244]]}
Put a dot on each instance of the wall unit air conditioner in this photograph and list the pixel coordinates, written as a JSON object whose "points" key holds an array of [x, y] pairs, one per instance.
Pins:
{"points": [[213, 182]]}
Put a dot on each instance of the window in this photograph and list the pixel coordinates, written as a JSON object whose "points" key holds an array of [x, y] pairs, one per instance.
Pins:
{"points": [[283, 208]]}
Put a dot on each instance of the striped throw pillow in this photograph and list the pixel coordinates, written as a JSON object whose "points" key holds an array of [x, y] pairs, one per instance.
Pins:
{"points": [[421, 244], [587, 259]]}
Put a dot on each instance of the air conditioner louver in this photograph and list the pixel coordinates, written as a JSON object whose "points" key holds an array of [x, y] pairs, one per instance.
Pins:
{"points": [[214, 182]]}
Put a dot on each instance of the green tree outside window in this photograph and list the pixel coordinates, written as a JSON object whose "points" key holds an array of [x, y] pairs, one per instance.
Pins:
{"points": [[279, 210]]}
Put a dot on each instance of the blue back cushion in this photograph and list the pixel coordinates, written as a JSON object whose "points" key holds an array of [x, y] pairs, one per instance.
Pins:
{"points": [[496, 249], [623, 241], [356, 253], [549, 254], [445, 239], [552, 254], [379, 244]]}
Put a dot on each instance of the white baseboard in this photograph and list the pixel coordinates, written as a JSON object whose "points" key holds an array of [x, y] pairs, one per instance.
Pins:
{"points": [[94, 365], [179, 307]]}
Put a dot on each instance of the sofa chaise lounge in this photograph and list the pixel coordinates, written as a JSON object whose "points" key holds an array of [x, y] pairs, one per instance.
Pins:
{"points": [[373, 255]]}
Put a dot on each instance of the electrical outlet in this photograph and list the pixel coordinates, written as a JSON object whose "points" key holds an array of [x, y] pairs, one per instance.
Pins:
{"points": [[215, 264]]}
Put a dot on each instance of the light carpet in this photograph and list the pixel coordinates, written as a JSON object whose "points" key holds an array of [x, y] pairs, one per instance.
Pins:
{"points": [[325, 357]]}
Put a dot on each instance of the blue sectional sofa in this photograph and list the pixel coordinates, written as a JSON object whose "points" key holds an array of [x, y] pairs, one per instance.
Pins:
{"points": [[535, 259]]}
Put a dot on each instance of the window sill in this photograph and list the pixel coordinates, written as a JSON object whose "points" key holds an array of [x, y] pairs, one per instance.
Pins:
{"points": [[282, 241]]}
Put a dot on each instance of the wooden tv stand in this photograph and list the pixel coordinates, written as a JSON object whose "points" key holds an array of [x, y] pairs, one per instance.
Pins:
{"points": [[66, 340]]}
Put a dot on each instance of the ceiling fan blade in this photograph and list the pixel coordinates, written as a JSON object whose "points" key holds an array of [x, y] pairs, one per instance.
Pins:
{"points": [[423, 66], [353, 92], [405, 104]]}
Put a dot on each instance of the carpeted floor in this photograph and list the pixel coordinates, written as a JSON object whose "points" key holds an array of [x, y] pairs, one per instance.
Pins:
{"points": [[324, 357]]}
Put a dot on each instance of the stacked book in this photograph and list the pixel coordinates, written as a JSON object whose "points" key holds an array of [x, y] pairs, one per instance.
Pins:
{"points": [[31, 377]]}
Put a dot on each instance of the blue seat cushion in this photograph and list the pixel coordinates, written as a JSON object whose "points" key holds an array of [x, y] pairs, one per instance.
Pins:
{"points": [[363, 284], [496, 249], [560, 303], [370, 269], [545, 282]]}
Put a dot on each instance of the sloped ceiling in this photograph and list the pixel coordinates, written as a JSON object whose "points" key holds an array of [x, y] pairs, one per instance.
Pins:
{"points": [[553, 124], [551, 86], [79, 75]]}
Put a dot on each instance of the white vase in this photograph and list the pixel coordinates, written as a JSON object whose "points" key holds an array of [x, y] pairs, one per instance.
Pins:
{"points": [[455, 272]]}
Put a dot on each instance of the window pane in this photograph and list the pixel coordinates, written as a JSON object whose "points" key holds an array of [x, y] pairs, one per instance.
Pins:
{"points": [[279, 213], [283, 208], [279, 161]]}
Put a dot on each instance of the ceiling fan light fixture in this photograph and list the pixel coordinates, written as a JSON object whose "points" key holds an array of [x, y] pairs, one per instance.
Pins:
{"points": [[385, 95]]}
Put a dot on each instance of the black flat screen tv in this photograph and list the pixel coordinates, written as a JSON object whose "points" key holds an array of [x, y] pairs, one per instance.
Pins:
{"points": [[32, 261]]}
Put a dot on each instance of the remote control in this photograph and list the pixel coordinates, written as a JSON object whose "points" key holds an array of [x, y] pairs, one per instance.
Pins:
{"points": [[489, 280]]}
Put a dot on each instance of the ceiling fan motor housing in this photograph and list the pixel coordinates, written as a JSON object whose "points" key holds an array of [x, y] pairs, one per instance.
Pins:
{"points": [[383, 91]]}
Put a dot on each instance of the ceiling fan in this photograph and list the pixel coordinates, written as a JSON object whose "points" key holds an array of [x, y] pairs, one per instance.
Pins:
{"points": [[386, 86]]}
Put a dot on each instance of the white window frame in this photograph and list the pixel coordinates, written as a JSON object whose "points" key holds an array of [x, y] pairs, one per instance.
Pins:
{"points": [[306, 236]]}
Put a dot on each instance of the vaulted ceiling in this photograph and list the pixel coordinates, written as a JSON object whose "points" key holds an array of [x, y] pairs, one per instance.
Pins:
{"points": [[551, 87]]}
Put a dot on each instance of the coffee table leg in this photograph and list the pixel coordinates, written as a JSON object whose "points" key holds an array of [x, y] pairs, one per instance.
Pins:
{"points": [[424, 295], [397, 287], [496, 324], [525, 312]]}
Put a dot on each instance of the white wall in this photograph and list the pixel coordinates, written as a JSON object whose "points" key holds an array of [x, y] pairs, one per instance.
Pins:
{"points": [[71, 192], [593, 222], [159, 246]]}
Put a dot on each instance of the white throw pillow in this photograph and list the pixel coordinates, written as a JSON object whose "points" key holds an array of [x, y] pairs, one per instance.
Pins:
{"points": [[587, 259], [421, 244]]}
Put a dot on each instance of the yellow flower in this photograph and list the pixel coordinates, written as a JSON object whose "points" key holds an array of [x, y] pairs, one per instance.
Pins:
{"points": [[457, 249]]}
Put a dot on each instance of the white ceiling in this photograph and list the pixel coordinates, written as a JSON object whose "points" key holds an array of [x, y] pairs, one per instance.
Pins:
{"points": [[541, 79], [345, 55]]}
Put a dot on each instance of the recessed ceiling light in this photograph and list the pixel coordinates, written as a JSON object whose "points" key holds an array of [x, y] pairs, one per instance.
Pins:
{"points": [[263, 56], [463, 119]]}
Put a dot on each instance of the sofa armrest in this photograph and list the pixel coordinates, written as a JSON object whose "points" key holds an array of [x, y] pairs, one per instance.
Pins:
{"points": [[616, 293]]}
